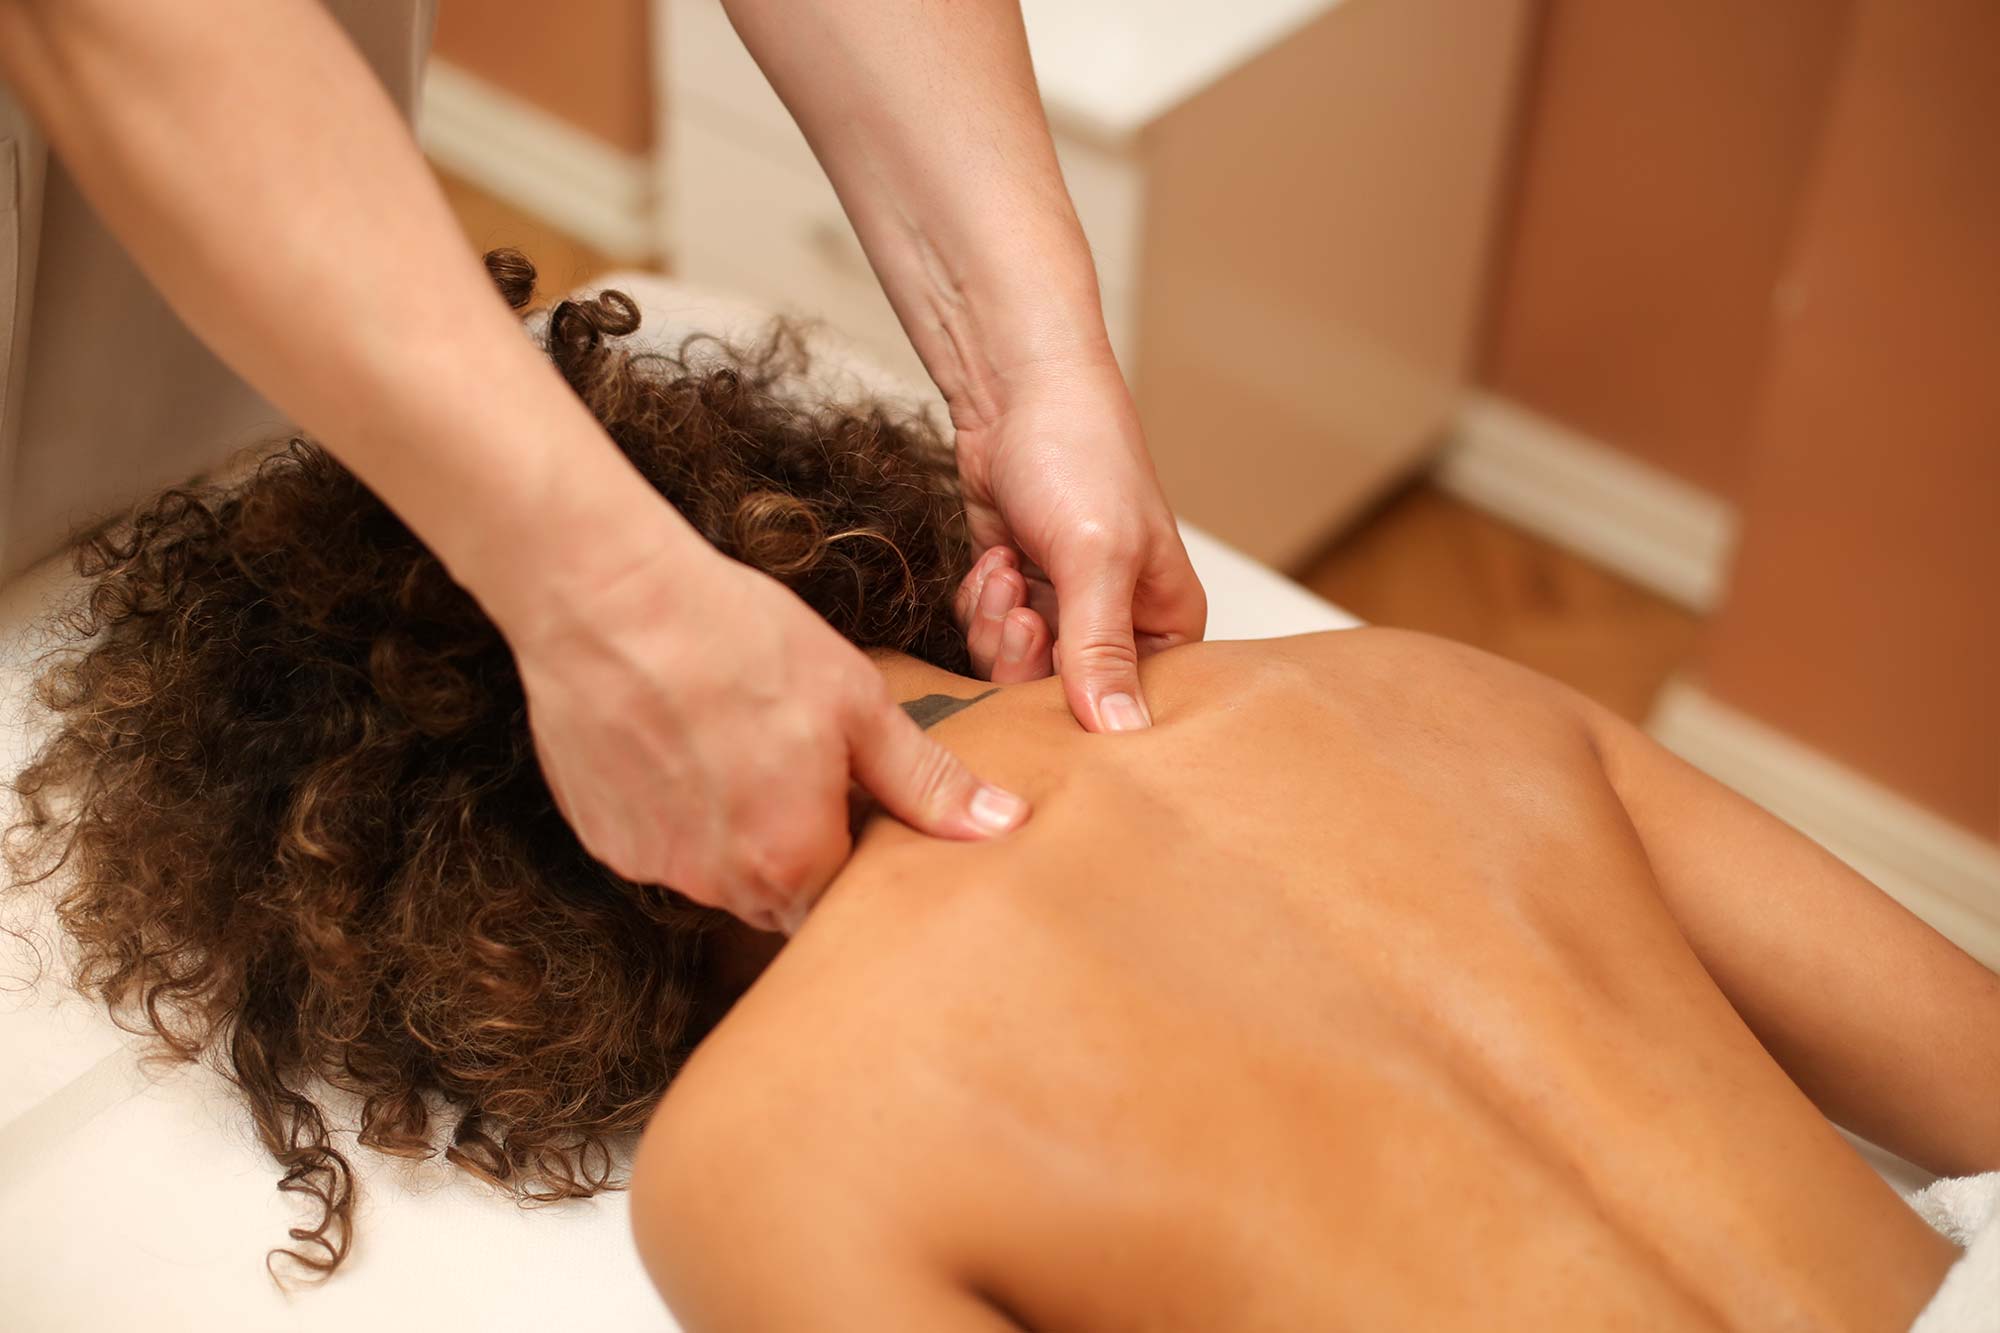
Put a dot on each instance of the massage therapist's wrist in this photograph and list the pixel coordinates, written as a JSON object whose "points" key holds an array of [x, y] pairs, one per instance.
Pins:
{"points": [[538, 555], [1004, 324]]}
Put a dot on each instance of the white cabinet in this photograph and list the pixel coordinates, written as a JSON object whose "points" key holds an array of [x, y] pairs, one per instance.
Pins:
{"points": [[1288, 202], [746, 206]]}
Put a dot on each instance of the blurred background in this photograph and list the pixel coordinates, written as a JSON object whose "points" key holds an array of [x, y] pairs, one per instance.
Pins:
{"points": [[1652, 343]]}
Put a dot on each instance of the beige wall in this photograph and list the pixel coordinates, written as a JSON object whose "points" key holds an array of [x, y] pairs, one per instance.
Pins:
{"points": [[1665, 145], [1864, 612], [587, 63], [1302, 346], [1753, 245]]}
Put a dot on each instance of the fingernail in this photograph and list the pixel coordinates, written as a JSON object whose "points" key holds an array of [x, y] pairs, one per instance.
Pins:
{"points": [[995, 810], [996, 599], [1014, 640], [1121, 712]]}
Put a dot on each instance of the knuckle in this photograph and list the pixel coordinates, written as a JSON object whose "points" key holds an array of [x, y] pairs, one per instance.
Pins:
{"points": [[1099, 652], [785, 866], [870, 698], [738, 894], [1103, 540], [937, 778], [768, 866], [873, 723]]}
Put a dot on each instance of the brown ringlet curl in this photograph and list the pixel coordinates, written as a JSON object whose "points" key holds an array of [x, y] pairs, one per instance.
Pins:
{"points": [[289, 808]]}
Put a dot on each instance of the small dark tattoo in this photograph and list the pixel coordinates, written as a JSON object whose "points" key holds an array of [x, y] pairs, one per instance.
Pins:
{"points": [[932, 709]]}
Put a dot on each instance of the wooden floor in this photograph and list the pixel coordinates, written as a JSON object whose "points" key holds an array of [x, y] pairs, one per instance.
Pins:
{"points": [[560, 261], [1430, 562], [1423, 561]]}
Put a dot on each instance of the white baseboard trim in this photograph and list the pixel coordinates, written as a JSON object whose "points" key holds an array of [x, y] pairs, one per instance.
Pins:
{"points": [[1654, 529], [1944, 874], [539, 163]]}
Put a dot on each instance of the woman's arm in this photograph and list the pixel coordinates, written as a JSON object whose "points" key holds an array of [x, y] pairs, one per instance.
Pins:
{"points": [[1889, 1028], [744, 1236], [699, 726]]}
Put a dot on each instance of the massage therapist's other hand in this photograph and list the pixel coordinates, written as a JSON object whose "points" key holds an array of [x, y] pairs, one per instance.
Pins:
{"points": [[1058, 471], [961, 207], [700, 728]]}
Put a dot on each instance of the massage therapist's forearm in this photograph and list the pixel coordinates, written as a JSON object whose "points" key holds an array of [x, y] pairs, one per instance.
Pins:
{"points": [[696, 723], [926, 117], [249, 160]]}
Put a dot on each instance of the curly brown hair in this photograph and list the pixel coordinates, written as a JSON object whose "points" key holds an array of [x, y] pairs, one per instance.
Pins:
{"points": [[291, 793]]}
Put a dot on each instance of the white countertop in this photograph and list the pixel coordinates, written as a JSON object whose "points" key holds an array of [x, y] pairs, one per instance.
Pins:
{"points": [[1107, 67]]}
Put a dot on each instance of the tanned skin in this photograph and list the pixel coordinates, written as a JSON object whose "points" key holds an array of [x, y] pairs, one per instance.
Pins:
{"points": [[1380, 984]]}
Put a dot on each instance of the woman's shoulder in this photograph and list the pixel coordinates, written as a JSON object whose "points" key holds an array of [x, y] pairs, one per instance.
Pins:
{"points": [[1378, 665], [806, 1127]]}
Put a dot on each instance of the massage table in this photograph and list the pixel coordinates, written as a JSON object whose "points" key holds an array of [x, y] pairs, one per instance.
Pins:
{"points": [[134, 1193]]}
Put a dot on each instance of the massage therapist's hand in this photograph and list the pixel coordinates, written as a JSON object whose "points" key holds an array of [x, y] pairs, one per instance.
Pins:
{"points": [[927, 120], [700, 727], [1058, 471]]}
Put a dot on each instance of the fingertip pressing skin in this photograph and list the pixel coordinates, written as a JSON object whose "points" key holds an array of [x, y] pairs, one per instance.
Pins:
{"points": [[1157, 613], [1104, 692], [996, 810], [1010, 642], [1120, 711], [925, 785]]}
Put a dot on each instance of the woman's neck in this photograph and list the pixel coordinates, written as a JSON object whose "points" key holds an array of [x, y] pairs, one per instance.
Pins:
{"points": [[738, 953], [910, 680]]}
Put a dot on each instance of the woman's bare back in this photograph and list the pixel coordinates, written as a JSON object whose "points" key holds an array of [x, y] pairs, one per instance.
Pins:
{"points": [[1345, 996]]}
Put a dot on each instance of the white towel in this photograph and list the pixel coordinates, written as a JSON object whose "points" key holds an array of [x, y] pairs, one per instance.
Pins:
{"points": [[1966, 1211]]}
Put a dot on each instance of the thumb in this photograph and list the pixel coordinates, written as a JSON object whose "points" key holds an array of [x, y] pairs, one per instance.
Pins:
{"points": [[1100, 662], [925, 785]]}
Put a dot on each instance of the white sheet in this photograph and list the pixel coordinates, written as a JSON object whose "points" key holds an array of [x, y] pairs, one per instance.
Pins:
{"points": [[137, 1201]]}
